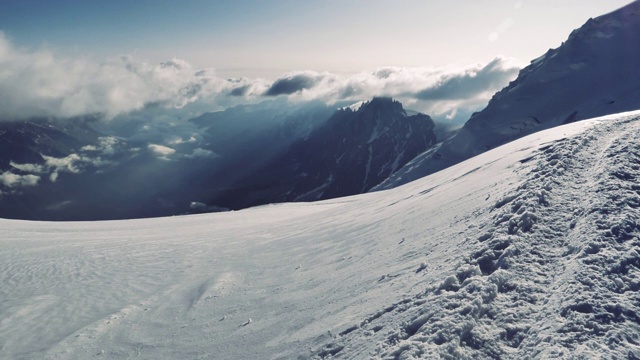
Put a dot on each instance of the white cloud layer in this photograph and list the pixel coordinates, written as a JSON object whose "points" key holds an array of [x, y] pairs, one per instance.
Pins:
{"points": [[73, 163], [435, 91], [107, 145], [42, 83], [10, 179], [161, 151]]}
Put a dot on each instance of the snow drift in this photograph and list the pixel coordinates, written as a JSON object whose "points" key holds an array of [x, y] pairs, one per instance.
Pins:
{"points": [[527, 251]]}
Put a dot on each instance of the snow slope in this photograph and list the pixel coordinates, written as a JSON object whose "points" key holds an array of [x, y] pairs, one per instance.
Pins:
{"points": [[526, 251]]}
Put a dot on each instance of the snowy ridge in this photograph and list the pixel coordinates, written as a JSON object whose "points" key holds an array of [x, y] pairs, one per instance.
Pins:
{"points": [[355, 106], [587, 76], [553, 273], [526, 251]]}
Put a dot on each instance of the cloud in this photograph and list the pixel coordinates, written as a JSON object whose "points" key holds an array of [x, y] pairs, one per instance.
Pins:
{"points": [[41, 83], [296, 82], [161, 151], [10, 179], [435, 91], [107, 145], [200, 153], [73, 163], [178, 140], [470, 82], [240, 90], [244, 87], [452, 115], [414, 82], [66, 164], [28, 168]]}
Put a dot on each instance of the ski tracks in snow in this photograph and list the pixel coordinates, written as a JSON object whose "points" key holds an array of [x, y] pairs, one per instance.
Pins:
{"points": [[555, 271]]}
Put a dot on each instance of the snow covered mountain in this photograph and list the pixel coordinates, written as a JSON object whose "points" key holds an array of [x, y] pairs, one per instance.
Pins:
{"points": [[358, 149], [348, 154], [591, 74], [518, 264]]}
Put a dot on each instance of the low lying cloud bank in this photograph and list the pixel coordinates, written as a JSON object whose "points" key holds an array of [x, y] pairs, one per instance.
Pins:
{"points": [[43, 84], [436, 91], [9, 179], [52, 167], [40, 83]]}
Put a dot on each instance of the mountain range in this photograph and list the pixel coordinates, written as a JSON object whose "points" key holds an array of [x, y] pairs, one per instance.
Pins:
{"points": [[86, 169], [277, 151], [515, 237], [589, 75], [352, 151]]}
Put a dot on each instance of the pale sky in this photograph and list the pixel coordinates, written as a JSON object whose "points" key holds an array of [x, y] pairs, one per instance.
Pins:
{"points": [[446, 58], [257, 38]]}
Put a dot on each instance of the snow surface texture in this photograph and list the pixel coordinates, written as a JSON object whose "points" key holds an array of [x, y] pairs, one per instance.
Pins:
{"points": [[527, 251]]}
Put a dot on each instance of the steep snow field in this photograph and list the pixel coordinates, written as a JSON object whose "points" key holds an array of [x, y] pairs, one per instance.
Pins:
{"points": [[527, 251]]}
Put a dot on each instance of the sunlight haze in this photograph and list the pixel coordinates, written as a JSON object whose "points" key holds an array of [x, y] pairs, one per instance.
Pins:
{"points": [[269, 38]]}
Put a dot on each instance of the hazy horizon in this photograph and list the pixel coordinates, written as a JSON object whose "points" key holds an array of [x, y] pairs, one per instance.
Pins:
{"points": [[267, 39], [70, 58]]}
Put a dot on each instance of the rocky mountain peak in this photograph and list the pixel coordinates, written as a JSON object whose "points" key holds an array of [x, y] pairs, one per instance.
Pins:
{"points": [[589, 75]]}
